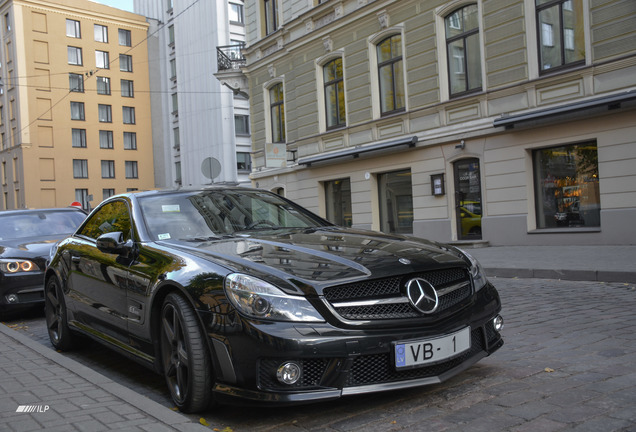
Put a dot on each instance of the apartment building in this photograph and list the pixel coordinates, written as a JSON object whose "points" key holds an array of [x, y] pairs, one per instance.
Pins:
{"points": [[200, 123], [508, 122], [74, 103]]}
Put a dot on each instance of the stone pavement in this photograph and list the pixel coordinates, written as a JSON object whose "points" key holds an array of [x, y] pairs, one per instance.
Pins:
{"points": [[42, 389]]}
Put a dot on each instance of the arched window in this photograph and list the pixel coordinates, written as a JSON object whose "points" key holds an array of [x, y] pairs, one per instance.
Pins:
{"points": [[391, 75], [463, 51], [334, 93]]}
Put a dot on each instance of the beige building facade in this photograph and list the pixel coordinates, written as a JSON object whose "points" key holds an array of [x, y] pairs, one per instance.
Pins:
{"points": [[507, 122], [74, 103]]}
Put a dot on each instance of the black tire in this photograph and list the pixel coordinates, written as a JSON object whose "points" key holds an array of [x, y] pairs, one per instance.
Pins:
{"points": [[56, 316], [184, 355]]}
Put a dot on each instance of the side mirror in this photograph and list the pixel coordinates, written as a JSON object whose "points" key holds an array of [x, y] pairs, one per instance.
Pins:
{"points": [[113, 243]]}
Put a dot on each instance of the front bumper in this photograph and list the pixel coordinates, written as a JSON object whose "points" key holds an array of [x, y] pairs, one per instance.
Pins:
{"points": [[336, 362], [21, 290]]}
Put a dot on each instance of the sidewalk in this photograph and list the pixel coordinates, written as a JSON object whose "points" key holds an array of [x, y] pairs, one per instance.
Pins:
{"points": [[42, 389], [584, 263]]}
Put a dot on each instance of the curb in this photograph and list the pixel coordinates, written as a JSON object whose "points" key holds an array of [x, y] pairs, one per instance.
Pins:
{"points": [[572, 275], [153, 409]]}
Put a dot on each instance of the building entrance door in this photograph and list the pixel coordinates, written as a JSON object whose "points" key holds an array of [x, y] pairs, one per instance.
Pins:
{"points": [[468, 199]]}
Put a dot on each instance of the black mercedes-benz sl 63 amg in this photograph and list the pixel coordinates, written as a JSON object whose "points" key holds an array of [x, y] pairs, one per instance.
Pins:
{"points": [[240, 295]]}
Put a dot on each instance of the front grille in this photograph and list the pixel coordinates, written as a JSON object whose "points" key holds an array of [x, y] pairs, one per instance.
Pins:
{"points": [[379, 369], [383, 299]]}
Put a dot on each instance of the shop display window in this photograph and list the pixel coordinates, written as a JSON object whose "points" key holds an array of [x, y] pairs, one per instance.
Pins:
{"points": [[567, 186]]}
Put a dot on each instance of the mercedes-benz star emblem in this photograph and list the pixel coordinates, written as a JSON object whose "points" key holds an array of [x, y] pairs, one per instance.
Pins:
{"points": [[422, 295]]}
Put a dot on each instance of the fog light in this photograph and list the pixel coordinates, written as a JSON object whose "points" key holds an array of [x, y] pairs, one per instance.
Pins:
{"points": [[288, 373], [498, 323], [12, 298]]}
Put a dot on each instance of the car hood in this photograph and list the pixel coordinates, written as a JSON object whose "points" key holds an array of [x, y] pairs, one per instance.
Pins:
{"points": [[325, 257], [28, 247]]}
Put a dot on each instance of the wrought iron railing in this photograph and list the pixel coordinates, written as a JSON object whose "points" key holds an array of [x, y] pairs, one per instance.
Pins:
{"points": [[229, 57]]}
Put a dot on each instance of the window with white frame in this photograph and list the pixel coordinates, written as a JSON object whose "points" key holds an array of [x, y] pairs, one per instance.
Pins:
{"points": [[236, 13]]}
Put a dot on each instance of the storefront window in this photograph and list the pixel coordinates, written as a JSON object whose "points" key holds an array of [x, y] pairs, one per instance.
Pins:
{"points": [[338, 201], [396, 202], [566, 186]]}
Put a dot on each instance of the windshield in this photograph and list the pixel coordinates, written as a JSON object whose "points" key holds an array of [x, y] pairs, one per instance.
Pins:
{"points": [[39, 224], [213, 214]]}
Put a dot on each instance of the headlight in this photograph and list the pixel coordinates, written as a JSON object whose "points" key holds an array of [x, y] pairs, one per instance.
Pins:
{"points": [[15, 266], [476, 271], [262, 300]]}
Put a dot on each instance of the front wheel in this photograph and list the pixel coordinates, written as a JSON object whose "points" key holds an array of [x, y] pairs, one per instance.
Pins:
{"points": [[56, 316], [184, 356]]}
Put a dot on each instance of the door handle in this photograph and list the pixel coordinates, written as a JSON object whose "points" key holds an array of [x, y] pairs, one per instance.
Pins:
{"points": [[75, 259]]}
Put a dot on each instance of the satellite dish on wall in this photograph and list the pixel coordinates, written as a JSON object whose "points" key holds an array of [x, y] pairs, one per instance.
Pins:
{"points": [[211, 168]]}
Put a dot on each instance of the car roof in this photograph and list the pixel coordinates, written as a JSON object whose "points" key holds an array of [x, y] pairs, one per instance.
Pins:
{"points": [[44, 210]]}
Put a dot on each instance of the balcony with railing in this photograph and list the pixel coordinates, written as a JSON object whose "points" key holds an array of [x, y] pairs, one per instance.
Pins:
{"points": [[229, 57]]}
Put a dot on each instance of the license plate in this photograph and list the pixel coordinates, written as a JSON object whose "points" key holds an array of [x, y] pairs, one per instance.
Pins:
{"points": [[428, 351]]}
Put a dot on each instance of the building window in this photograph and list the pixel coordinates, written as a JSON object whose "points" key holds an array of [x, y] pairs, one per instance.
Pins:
{"points": [[391, 75], [105, 113], [73, 29], [77, 111], [80, 168], [566, 186], [124, 37], [105, 139], [128, 115], [101, 33], [171, 35], [81, 196], [103, 85], [74, 56], [396, 202], [127, 88], [131, 170], [79, 138], [243, 162], [177, 139], [463, 51], [175, 103], [177, 172], [125, 63], [102, 60], [241, 125], [277, 113], [236, 13], [107, 193], [561, 33], [271, 16], [130, 141], [173, 69], [108, 169], [76, 82], [334, 93], [338, 201]]}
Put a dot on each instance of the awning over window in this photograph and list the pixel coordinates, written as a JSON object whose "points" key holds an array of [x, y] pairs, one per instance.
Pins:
{"points": [[613, 101], [355, 152]]}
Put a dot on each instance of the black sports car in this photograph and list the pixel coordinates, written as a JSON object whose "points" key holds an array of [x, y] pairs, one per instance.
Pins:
{"points": [[239, 293], [26, 239]]}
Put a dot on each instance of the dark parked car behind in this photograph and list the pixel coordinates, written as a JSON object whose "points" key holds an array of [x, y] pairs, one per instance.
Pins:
{"points": [[240, 294], [26, 238]]}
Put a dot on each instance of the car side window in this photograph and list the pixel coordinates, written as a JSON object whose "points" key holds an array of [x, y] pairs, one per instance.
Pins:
{"points": [[112, 217]]}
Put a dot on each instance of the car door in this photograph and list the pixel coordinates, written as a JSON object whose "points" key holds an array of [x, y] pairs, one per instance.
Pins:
{"points": [[98, 281]]}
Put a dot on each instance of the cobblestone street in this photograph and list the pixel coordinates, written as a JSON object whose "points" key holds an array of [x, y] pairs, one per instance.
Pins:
{"points": [[568, 363]]}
